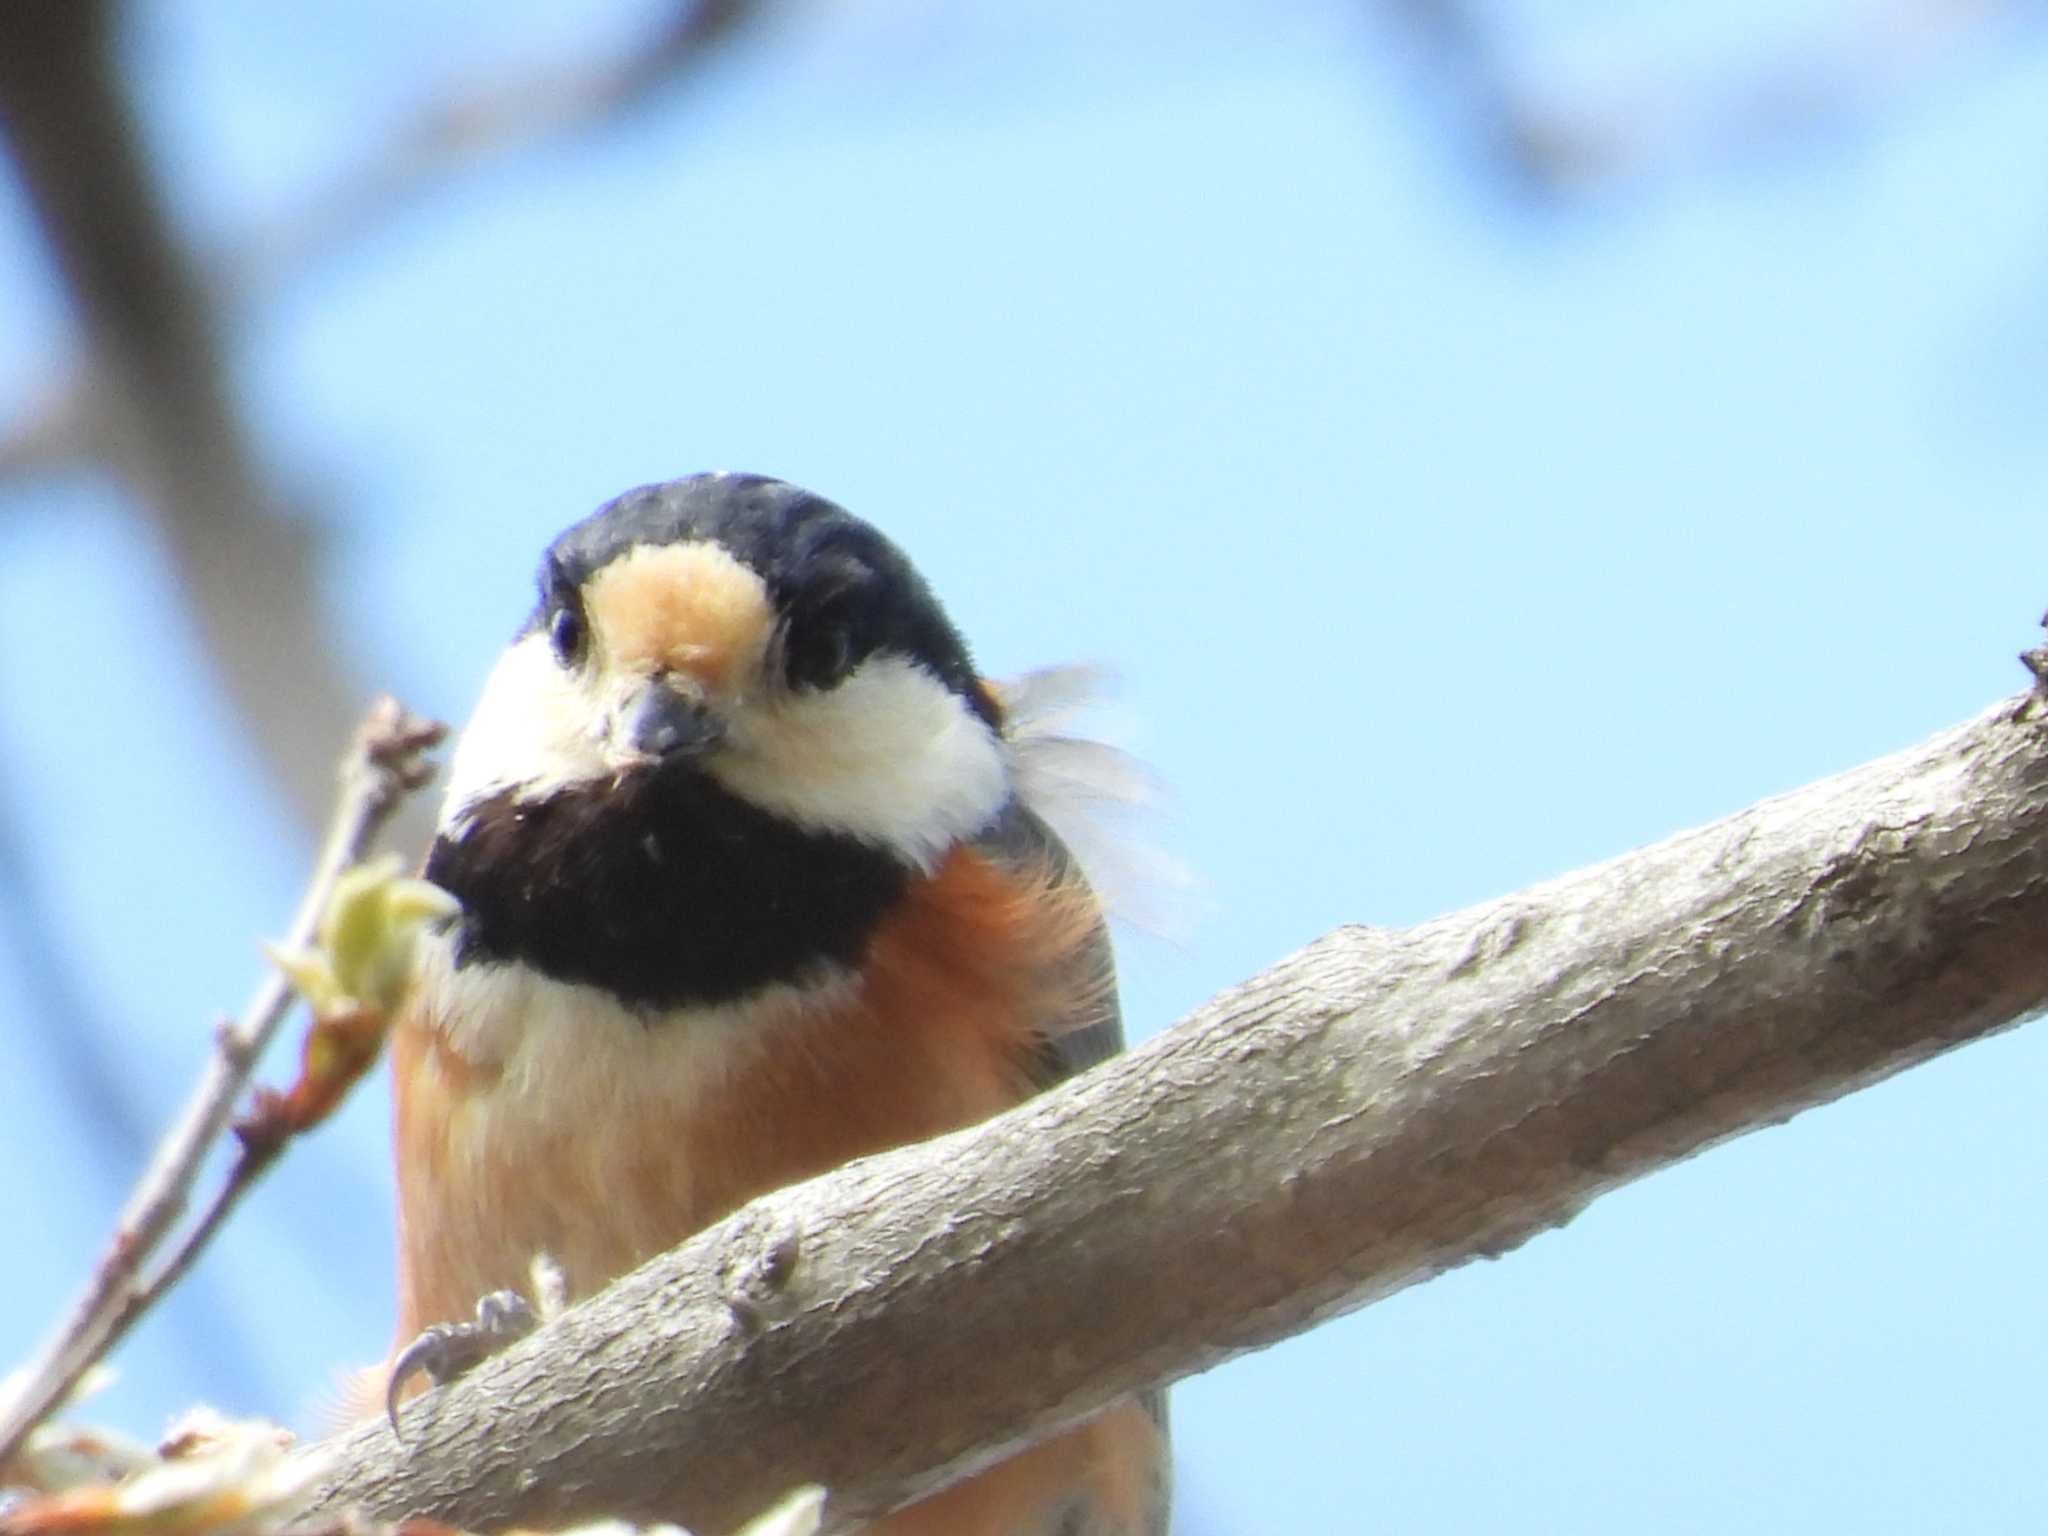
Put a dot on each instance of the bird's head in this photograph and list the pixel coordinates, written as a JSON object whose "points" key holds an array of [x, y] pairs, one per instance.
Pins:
{"points": [[745, 631], [735, 712]]}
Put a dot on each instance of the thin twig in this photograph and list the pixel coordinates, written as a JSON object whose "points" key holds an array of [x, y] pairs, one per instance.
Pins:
{"points": [[382, 767], [251, 1163]]}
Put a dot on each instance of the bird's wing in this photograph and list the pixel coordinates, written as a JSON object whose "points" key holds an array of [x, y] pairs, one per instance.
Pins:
{"points": [[1134, 1460], [1091, 1029]]}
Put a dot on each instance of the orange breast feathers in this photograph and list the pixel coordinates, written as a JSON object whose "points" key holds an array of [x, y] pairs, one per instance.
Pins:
{"points": [[534, 1116]]}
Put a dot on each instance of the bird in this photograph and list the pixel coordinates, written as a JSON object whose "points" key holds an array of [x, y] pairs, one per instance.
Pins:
{"points": [[755, 877]]}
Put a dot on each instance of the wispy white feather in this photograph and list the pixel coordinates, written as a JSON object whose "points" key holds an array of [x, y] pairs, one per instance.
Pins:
{"points": [[1096, 797]]}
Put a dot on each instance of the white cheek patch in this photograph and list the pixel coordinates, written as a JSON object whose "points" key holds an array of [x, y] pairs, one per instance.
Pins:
{"points": [[531, 731], [891, 756]]}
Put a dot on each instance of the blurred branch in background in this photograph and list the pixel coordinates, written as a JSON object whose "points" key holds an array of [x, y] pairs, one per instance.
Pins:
{"points": [[154, 400], [1553, 129], [156, 403], [462, 130]]}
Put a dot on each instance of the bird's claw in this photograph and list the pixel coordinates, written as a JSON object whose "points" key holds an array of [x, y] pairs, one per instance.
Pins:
{"points": [[446, 1350]]}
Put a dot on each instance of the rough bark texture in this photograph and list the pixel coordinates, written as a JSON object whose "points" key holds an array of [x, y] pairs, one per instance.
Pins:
{"points": [[1368, 1113]]}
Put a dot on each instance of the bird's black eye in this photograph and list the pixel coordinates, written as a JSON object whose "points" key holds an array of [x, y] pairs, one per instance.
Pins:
{"points": [[567, 635], [561, 604], [831, 621], [818, 655]]}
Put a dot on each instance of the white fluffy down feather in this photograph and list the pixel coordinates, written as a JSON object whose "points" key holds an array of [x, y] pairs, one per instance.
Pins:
{"points": [[1096, 797]]}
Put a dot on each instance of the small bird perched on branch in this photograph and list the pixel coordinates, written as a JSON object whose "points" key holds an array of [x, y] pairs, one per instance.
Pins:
{"points": [[753, 882]]}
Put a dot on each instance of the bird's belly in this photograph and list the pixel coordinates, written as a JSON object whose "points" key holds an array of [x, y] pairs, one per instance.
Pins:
{"points": [[498, 1174], [536, 1118]]}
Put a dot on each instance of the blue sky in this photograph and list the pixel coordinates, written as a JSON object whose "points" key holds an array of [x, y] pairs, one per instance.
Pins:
{"points": [[1445, 539]]}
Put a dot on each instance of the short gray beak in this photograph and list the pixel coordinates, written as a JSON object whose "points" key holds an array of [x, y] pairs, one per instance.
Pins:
{"points": [[666, 724]]}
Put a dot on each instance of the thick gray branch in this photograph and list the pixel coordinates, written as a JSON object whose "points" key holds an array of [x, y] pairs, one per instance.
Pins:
{"points": [[1377, 1109]]}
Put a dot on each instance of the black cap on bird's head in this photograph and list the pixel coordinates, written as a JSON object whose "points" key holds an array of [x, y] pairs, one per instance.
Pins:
{"points": [[839, 589]]}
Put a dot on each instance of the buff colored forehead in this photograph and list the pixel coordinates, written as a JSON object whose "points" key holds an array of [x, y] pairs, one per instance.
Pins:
{"points": [[689, 608]]}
